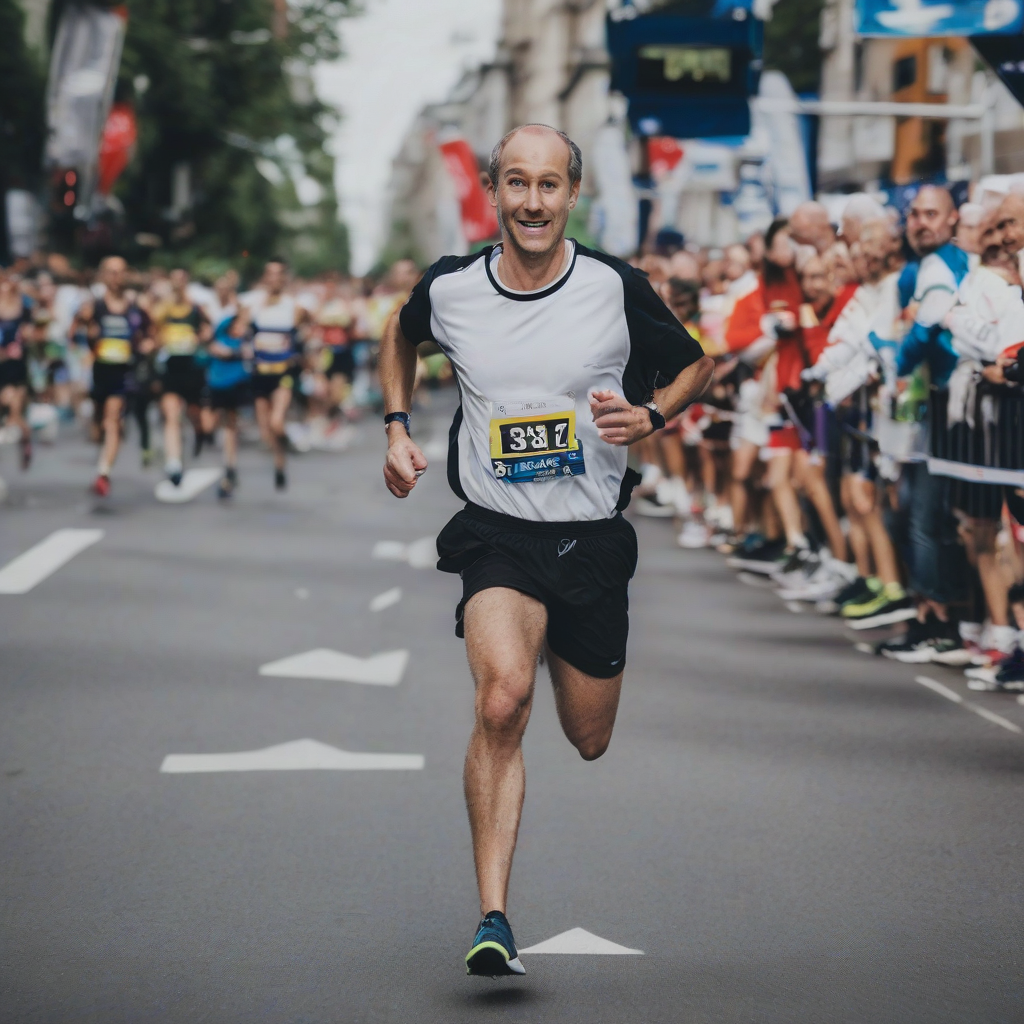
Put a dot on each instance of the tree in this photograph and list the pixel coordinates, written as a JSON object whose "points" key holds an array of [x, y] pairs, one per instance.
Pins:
{"points": [[230, 161], [791, 43]]}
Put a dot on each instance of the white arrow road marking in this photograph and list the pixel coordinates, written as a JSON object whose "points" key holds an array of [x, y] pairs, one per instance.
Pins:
{"points": [[390, 550], [192, 483], [299, 755], [579, 941], [420, 554], [21, 574], [384, 669], [386, 600]]}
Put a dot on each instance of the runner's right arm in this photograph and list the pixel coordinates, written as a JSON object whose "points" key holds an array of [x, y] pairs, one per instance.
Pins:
{"points": [[397, 368]]}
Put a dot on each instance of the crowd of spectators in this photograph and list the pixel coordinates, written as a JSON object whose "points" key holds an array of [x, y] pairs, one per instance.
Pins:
{"points": [[862, 442]]}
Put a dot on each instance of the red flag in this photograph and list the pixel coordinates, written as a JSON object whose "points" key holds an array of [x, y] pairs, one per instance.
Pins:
{"points": [[116, 142], [663, 153], [479, 220]]}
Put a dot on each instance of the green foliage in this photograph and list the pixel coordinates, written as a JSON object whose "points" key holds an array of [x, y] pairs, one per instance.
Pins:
{"points": [[214, 84], [791, 43]]}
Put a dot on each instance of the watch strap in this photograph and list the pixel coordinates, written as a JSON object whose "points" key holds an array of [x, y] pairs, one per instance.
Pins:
{"points": [[401, 417], [657, 420]]}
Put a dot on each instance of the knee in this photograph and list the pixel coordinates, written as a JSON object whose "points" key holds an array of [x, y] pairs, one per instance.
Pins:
{"points": [[592, 746], [501, 711]]}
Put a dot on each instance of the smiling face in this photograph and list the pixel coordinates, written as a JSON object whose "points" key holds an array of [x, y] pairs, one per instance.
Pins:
{"points": [[533, 194], [1010, 223]]}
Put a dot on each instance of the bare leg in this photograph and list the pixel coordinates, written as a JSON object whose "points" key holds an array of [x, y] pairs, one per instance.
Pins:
{"points": [[586, 706], [785, 497], [112, 409], [859, 544], [812, 480], [743, 459], [504, 636], [280, 400], [230, 437], [170, 406], [864, 496], [992, 581]]}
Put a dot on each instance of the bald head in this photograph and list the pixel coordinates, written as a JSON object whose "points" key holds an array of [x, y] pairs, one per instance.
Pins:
{"points": [[113, 270], [574, 157], [809, 225], [931, 219], [1009, 219]]}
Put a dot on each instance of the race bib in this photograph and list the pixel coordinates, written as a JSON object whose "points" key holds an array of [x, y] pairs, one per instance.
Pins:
{"points": [[114, 350], [535, 441], [179, 339]]}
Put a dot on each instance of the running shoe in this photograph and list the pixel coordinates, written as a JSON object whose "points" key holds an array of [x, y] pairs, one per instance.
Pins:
{"points": [[905, 646], [654, 508], [147, 458], [891, 604], [799, 566], [1006, 678], [762, 557], [26, 453], [101, 486], [494, 950], [858, 589], [693, 535], [280, 480], [173, 470], [825, 582]]}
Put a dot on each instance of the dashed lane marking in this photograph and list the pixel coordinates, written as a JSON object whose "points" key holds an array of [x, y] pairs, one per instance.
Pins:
{"points": [[386, 600], [420, 554], [23, 573], [580, 942], [385, 669], [193, 483], [989, 716], [298, 755]]}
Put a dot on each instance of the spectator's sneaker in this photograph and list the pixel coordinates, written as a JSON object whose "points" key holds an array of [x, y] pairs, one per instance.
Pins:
{"points": [[653, 508], [858, 589], [1006, 678], [494, 950], [799, 566], [763, 558], [693, 535], [907, 646], [824, 583], [891, 604]]}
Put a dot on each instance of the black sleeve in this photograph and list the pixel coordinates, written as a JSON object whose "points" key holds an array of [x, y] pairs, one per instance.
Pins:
{"points": [[660, 348], [415, 315]]}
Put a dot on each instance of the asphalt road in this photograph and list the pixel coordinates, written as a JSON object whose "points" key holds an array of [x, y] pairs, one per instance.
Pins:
{"points": [[789, 830]]}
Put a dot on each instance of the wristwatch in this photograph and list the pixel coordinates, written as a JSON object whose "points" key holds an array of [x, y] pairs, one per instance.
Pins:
{"points": [[401, 417], [657, 420]]}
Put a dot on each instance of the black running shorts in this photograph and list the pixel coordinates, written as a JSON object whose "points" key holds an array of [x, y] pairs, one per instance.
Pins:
{"points": [[13, 373], [109, 380], [263, 385], [183, 377], [579, 571], [230, 398]]}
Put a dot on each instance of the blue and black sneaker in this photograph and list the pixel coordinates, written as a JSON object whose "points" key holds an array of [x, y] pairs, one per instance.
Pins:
{"points": [[494, 950]]}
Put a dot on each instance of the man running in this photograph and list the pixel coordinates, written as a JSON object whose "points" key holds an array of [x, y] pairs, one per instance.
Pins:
{"points": [[556, 349], [276, 318], [117, 330], [181, 327]]}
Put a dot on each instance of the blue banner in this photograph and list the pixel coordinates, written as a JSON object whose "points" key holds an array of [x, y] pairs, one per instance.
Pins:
{"points": [[925, 18]]}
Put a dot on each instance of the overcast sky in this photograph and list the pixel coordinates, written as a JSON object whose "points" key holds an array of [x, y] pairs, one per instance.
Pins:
{"points": [[400, 55]]}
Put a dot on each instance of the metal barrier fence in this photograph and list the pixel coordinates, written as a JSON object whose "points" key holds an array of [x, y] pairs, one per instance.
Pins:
{"points": [[982, 445]]}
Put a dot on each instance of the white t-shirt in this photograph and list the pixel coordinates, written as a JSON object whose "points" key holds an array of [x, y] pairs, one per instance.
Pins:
{"points": [[523, 442]]}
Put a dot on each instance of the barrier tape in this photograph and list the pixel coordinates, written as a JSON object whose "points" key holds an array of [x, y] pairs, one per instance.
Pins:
{"points": [[977, 474]]}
